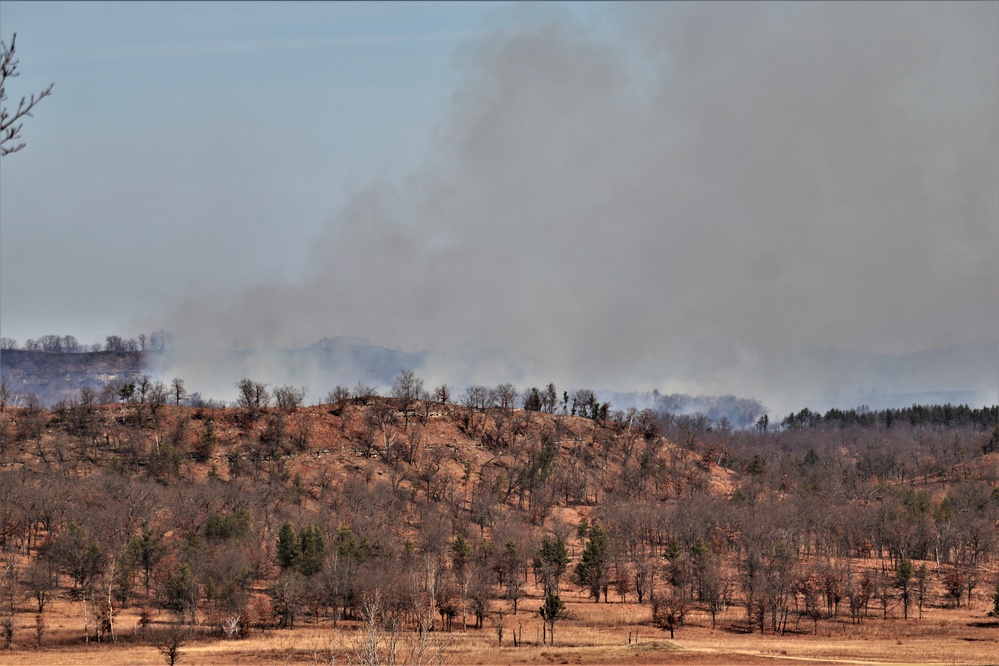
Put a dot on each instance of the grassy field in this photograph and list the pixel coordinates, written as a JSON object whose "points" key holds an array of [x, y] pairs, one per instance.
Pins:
{"points": [[605, 633]]}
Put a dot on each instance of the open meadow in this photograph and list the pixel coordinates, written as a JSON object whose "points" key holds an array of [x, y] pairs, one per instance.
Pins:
{"points": [[614, 633]]}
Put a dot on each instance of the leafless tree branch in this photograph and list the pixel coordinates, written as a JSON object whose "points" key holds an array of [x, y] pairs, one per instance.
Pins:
{"points": [[11, 122]]}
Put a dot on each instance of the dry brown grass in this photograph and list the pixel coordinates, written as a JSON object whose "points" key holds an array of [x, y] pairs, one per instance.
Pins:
{"points": [[604, 633]]}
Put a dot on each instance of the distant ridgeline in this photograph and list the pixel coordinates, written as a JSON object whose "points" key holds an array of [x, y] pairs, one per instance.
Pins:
{"points": [[54, 368], [55, 376]]}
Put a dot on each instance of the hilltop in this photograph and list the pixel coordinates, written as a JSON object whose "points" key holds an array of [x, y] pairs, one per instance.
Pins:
{"points": [[258, 527]]}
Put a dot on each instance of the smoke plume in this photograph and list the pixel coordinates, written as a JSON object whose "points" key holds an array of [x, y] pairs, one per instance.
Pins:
{"points": [[690, 198]]}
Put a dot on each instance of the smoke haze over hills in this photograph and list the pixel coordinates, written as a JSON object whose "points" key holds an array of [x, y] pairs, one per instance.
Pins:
{"points": [[693, 207], [795, 202]]}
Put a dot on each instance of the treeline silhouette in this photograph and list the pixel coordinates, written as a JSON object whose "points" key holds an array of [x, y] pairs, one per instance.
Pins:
{"points": [[69, 344], [917, 415]]}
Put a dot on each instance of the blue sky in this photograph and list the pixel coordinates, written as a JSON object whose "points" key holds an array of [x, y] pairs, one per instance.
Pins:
{"points": [[628, 195], [186, 130]]}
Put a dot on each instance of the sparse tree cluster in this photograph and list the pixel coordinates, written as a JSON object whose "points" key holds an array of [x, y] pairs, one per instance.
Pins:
{"points": [[237, 519]]}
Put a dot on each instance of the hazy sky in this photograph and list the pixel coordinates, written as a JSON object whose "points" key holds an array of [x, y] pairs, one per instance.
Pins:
{"points": [[680, 196]]}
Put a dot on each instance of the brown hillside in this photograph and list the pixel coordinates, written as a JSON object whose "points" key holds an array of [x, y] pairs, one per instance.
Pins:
{"points": [[137, 520]]}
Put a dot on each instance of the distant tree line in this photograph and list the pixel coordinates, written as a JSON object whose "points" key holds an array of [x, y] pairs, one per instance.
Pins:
{"points": [[917, 415], [68, 344]]}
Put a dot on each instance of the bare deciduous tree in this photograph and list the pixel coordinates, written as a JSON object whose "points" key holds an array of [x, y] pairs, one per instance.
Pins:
{"points": [[177, 389], [364, 393], [506, 396], [407, 390], [478, 398], [338, 395], [289, 397], [253, 396], [442, 394], [157, 397], [11, 121], [670, 609], [40, 581], [171, 642]]}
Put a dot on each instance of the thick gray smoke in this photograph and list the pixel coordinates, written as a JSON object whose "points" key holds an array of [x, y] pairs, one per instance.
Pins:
{"points": [[690, 199]]}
